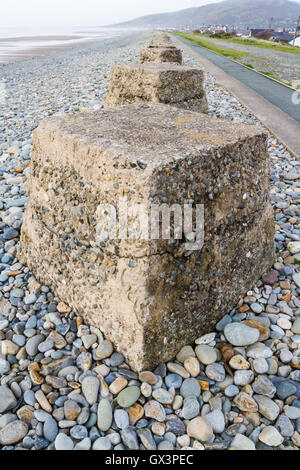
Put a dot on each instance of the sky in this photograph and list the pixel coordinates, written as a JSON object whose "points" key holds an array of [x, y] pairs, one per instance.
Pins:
{"points": [[84, 12], [15, 13]]}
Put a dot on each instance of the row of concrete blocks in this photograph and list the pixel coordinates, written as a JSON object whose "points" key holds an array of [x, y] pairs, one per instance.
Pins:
{"points": [[158, 79], [161, 49], [149, 296]]}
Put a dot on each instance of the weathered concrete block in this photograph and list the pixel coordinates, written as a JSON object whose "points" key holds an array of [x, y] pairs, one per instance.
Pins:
{"points": [[153, 296], [161, 40], [161, 54], [159, 83]]}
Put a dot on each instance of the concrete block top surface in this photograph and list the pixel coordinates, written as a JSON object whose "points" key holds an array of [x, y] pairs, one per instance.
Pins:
{"points": [[161, 67], [161, 54], [163, 47], [161, 40], [153, 133]]}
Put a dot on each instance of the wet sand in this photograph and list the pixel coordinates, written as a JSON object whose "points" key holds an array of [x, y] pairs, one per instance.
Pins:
{"points": [[40, 38], [37, 51], [25, 47]]}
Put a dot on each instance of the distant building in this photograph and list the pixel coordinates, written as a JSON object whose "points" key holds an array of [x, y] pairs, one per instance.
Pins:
{"points": [[297, 41], [282, 37], [212, 29], [258, 32]]}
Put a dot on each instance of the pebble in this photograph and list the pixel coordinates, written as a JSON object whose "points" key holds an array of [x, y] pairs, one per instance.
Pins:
{"points": [[241, 442], [215, 372], [104, 350], [239, 362], [191, 408], [118, 385], [146, 438], [88, 340], [128, 396], [231, 391], [260, 365], [173, 380], [33, 344], [148, 377], [259, 350], [271, 436], [294, 247], [263, 386], [190, 387], [165, 445], [71, 410], [79, 432], [178, 369], [191, 364], [13, 432], [267, 407], [239, 334], [206, 354], [153, 409], [296, 279], [292, 412], [256, 308], [116, 359], [85, 444], [146, 390], [4, 366], [63, 442], [104, 415], [163, 396], [184, 353], [200, 429], [102, 443], [284, 426], [129, 438], [286, 356], [285, 389], [216, 420], [296, 326], [50, 429], [121, 418], [90, 389], [206, 339]]}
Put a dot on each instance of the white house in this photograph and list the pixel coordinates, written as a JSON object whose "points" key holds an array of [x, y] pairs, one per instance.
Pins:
{"points": [[297, 41]]}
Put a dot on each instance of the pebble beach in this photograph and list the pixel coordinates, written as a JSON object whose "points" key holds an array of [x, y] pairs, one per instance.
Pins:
{"points": [[63, 385]]}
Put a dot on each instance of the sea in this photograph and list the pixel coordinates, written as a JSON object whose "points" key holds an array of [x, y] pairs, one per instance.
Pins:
{"points": [[20, 43]]}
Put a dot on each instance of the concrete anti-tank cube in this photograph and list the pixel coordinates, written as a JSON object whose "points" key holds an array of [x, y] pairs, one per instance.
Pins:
{"points": [[161, 54], [150, 297], [161, 40], [159, 83]]}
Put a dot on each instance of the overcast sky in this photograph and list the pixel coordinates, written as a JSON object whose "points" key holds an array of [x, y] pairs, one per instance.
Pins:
{"points": [[84, 12]]}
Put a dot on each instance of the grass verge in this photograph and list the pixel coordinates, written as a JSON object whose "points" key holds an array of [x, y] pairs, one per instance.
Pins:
{"points": [[262, 43], [270, 74], [212, 47], [230, 53]]}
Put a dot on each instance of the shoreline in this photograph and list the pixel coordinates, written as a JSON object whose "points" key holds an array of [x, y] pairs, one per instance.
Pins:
{"points": [[9, 56], [38, 51]]}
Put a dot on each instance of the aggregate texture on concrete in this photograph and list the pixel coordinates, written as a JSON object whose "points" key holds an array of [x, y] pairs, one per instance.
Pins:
{"points": [[150, 297], [167, 83]]}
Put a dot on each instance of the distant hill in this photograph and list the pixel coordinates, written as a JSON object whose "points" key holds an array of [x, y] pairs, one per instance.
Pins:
{"points": [[238, 13]]}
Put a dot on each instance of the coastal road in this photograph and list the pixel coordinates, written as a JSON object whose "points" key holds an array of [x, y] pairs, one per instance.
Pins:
{"points": [[272, 103]]}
